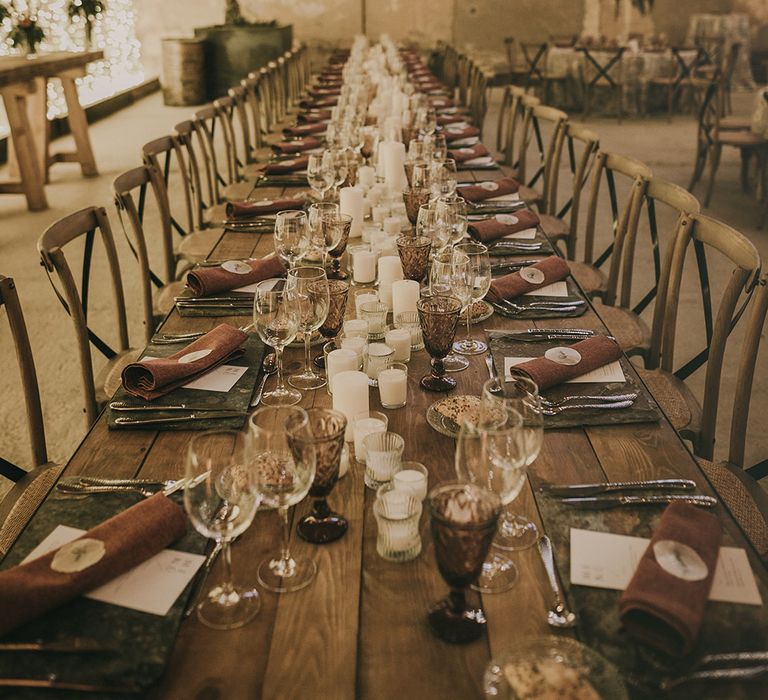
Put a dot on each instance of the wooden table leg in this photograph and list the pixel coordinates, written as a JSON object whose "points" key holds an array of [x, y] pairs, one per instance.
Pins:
{"points": [[27, 157], [78, 125]]}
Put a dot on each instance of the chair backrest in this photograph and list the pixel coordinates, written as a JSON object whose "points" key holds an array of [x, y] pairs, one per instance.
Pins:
{"points": [[268, 98], [215, 145], [603, 64], [255, 110], [535, 56], [85, 224], [243, 143], [709, 236], [509, 49], [518, 160], [131, 214], [478, 102], [463, 67], [9, 299], [711, 47], [581, 146], [507, 121]]}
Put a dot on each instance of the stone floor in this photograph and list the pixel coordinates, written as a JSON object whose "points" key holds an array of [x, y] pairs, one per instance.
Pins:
{"points": [[666, 147]]}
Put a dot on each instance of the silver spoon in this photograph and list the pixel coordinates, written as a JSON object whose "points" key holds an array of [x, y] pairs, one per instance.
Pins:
{"points": [[268, 367], [558, 615]]}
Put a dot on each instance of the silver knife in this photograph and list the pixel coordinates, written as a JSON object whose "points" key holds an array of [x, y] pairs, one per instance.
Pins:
{"points": [[197, 415], [741, 673], [65, 646], [608, 487], [53, 682], [603, 502], [125, 406], [534, 332]]}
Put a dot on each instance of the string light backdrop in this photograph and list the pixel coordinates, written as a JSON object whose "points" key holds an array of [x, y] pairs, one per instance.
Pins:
{"points": [[113, 33]]}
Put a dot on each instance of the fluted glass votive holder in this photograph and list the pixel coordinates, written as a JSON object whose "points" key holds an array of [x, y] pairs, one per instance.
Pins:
{"points": [[383, 457], [410, 321], [397, 517], [375, 312]]}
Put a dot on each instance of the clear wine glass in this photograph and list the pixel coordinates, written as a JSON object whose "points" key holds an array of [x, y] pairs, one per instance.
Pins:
{"points": [[480, 279], [324, 224], [518, 393], [276, 319], [340, 169], [490, 452], [320, 174], [221, 498], [443, 177], [449, 275], [309, 286], [283, 461], [291, 236]]}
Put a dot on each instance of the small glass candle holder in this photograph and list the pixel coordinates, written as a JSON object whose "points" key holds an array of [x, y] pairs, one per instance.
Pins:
{"points": [[399, 339], [376, 314], [383, 457], [393, 385], [413, 478], [361, 297], [364, 425], [359, 345], [363, 264], [356, 328], [410, 321], [338, 359], [379, 357], [397, 518]]}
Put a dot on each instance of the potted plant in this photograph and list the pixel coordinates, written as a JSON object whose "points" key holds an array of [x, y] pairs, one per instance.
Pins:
{"points": [[88, 11]]}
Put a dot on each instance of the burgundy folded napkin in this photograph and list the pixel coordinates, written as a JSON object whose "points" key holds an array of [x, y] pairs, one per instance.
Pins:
{"points": [[330, 81], [453, 110], [305, 129], [297, 146], [483, 190], [211, 280], [595, 352], [461, 155], [314, 116], [454, 133], [489, 230], [138, 533], [318, 102], [514, 284], [151, 379], [660, 608], [292, 165], [324, 92], [242, 209], [441, 102], [446, 119]]}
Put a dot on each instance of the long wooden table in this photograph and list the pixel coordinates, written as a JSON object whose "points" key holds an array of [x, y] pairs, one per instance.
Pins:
{"points": [[359, 630]]}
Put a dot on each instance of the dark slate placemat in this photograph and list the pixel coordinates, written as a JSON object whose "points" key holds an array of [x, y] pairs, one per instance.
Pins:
{"points": [[236, 399], [574, 293], [191, 312], [642, 411], [143, 642], [504, 252]]}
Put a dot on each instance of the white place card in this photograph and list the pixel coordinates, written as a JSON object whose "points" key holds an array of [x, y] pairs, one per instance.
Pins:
{"points": [[526, 234], [612, 372], [151, 587], [469, 141], [221, 378], [606, 560], [251, 288], [556, 289], [512, 197], [482, 160]]}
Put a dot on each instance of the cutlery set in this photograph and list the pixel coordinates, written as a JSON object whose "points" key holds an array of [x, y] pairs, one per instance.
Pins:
{"points": [[91, 485], [612, 494]]}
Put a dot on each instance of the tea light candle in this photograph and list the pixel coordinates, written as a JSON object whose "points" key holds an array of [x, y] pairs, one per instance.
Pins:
{"points": [[393, 386], [363, 428], [412, 478], [375, 313], [364, 266], [341, 360], [366, 176], [390, 269], [379, 213], [378, 358], [351, 202], [392, 225], [358, 346], [405, 294], [399, 339], [397, 517], [350, 397]]}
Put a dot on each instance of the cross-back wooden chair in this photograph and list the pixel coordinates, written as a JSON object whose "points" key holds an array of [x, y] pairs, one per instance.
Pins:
{"points": [[255, 112], [581, 146], [131, 190], [519, 134], [603, 70], [451, 68], [536, 56], [673, 86], [478, 103], [233, 121], [615, 170], [463, 65], [85, 225], [516, 69], [711, 139], [706, 236], [30, 486], [215, 146], [507, 122]]}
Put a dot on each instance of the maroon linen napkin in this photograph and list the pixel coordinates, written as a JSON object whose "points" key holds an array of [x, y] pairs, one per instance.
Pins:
{"points": [[153, 378], [595, 352], [454, 133], [441, 102], [318, 102], [461, 155], [659, 608], [305, 129], [210, 280], [297, 146], [446, 119], [321, 92], [281, 167], [514, 284], [482, 191], [489, 230], [244, 208], [314, 116], [131, 537]]}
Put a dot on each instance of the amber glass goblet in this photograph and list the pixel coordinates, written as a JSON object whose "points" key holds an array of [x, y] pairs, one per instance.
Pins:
{"points": [[438, 316], [463, 519], [414, 198], [343, 222], [326, 433], [338, 292], [414, 255]]}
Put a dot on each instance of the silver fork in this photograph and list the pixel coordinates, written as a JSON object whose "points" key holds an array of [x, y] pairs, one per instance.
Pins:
{"points": [[607, 398], [555, 410]]}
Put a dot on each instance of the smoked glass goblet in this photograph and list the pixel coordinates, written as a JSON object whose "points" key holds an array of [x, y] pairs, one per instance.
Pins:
{"points": [[438, 316]]}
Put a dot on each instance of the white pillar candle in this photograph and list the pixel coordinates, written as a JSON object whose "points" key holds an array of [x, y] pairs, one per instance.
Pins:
{"points": [[357, 327], [351, 202], [392, 225], [399, 339], [393, 387], [390, 269], [379, 213], [374, 197], [411, 481], [350, 397], [358, 346], [364, 266], [405, 294], [363, 428], [344, 462], [393, 154], [366, 176], [341, 360], [385, 294]]}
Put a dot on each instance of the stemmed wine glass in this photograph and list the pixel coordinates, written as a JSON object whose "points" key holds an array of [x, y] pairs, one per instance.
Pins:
{"points": [[340, 169], [338, 292], [518, 393], [450, 274], [370, 137], [463, 519], [323, 223], [480, 277], [343, 222], [443, 177], [490, 452], [283, 462], [326, 436], [291, 236], [438, 318], [221, 498], [276, 319], [310, 288], [320, 173]]}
